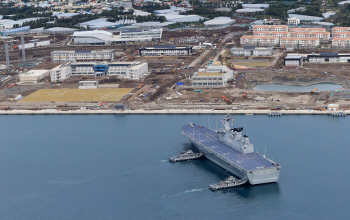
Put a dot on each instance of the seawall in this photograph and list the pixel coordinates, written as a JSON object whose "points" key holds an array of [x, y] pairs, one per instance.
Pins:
{"points": [[166, 112]]}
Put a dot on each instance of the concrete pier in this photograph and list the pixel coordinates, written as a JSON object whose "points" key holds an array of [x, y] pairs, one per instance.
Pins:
{"points": [[164, 112]]}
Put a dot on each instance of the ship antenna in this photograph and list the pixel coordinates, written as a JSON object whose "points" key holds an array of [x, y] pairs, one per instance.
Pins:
{"points": [[257, 149], [265, 151], [209, 122], [245, 130]]}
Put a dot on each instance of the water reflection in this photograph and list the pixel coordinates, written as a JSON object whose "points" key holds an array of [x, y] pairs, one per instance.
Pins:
{"points": [[285, 88]]}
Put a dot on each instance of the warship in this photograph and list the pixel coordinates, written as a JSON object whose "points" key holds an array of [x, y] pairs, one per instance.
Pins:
{"points": [[232, 151]]}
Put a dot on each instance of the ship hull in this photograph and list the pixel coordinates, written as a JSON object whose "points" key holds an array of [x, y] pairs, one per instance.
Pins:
{"points": [[254, 177]]}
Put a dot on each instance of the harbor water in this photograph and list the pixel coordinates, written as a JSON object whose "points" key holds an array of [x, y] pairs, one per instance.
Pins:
{"points": [[116, 167], [285, 88]]}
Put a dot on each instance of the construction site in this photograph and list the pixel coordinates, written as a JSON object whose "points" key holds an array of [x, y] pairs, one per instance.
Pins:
{"points": [[167, 85]]}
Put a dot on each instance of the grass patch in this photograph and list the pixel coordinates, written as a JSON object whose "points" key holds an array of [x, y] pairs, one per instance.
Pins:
{"points": [[77, 95]]}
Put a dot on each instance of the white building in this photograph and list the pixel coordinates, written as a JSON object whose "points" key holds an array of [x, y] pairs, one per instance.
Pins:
{"points": [[152, 33], [99, 37], [333, 107], [62, 56], [213, 76], [252, 51], [165, 50], [93, 37], [60, 72], [293, 20], [293, 60], [33, 76], [130, 70]]}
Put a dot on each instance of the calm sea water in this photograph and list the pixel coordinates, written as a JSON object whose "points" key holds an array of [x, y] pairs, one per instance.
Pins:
{"points": [[115, 167], [285, 88]]}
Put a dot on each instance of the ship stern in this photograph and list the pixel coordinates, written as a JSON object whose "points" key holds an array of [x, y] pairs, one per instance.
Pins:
{"points": [[262, 176]]}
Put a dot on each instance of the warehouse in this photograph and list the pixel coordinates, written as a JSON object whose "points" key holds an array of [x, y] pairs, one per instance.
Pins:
{"points": [[219, 21], [33, 76], [99, 37], [93, 37], [213, 76], [60, 56], [252, 51], [328, 58], [293, 60], [152, 33], [165, 50]]}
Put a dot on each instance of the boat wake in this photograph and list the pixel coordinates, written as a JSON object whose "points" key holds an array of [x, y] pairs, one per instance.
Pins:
{"points": [[183, 193]]}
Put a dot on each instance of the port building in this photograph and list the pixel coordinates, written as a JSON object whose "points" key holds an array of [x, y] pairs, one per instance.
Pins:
{"points": [[252, 51], [213, 76], [59, 56], [165, 50]]}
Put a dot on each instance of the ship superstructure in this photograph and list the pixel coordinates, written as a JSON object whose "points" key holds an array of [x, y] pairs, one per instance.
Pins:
{"points": [[231, 150]]}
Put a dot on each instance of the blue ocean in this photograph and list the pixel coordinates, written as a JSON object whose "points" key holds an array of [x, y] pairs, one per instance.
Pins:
{"points": [[116, 167]]}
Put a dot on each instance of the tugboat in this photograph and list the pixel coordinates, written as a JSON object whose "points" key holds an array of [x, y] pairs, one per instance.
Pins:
{"points": [[188, 155], [227, 183]]}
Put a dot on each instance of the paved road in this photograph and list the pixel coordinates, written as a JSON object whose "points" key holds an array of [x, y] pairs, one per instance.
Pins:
{"points": [[195, 62]]}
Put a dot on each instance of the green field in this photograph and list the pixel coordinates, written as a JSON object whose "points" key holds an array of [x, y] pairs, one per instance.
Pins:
{"points": [[77, 95]]}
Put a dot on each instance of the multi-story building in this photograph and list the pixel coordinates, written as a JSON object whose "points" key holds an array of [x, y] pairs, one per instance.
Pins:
{"points": [[272, 33], [60, 72], [261, 41], [131, 70], [323, 36], [294, 21], [165, 50], [297, 42], [307, 30], [341, 35], [152, 33], [340, 29], [213, 76], [82, 56], [252, 51], [282, 28], [341, 42]]}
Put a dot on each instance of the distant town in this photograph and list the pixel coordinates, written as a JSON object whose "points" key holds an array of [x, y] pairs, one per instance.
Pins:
{"points": [[175, 57]]}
